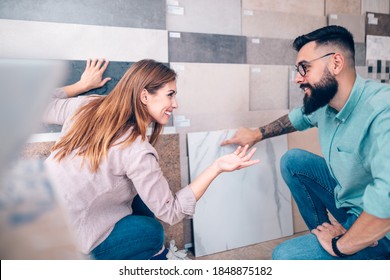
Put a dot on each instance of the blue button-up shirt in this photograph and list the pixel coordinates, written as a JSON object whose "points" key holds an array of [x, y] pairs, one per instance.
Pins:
{"points": [[355, 143]]}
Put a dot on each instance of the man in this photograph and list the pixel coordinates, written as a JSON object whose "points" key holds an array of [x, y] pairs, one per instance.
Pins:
{"points": [[352, 180]]}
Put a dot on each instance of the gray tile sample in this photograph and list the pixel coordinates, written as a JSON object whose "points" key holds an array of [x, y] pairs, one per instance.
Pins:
{"points": [[243, 207], [360, 54], [206, 48], [378, 24], [270, 51], [136, 13], [378, 47], [295, 94], [375, 6], [354, 23], [204, 16], [268, 87]]}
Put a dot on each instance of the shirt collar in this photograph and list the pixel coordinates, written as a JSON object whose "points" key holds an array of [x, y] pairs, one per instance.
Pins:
{"points": [[352, 101]]}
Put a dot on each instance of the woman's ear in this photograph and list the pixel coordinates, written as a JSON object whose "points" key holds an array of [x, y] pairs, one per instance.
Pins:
{"points": [[144, 96]]}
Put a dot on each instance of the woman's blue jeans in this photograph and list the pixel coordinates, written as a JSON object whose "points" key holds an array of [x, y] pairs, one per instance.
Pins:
{"points": [[135, 237], [312, 187]]}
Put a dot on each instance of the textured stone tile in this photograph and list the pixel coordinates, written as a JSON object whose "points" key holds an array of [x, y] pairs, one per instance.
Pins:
{"points": [[375, 6], [29, 39], [378, 24], [212, 88], [354, 23], [307, 7], [270, 51], [378, 47], [135, 13], [207, 48], [203, 16], [239, 204], [288, 26], [268, 87], [342, 7]]}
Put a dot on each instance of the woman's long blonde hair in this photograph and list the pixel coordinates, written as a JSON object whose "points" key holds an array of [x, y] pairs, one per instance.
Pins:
{"points": [[102, 121]]}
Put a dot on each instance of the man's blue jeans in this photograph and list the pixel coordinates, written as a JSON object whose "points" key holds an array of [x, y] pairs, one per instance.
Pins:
{"points": [[312, 187], [135, 237]]}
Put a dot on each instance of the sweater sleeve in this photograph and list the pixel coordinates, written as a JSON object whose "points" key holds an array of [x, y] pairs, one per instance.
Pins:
{"points": [[60, 107], [151, 185]]}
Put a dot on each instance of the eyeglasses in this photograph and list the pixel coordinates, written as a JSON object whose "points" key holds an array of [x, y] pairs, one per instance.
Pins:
{"points": [[301, 68]]}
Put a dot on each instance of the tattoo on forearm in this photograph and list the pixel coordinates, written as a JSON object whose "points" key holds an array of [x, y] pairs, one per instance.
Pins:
{"points": [[279, 127]]}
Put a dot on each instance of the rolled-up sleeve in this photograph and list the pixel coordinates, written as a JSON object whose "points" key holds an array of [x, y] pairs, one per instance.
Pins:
{"points": [[154, 190], [376, 198], [300, 121]]}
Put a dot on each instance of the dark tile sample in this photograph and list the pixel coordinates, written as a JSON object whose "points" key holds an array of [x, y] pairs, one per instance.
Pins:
{"points": [[270, 51], [207, 48], [377, 24], [115, 71], [135, 13]]}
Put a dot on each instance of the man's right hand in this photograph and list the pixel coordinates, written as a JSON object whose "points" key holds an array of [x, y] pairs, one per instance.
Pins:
{"points": [[244, 136]]}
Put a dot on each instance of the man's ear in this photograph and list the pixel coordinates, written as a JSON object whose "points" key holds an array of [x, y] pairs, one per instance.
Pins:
{"points": [[338, 63], [144, 96]]}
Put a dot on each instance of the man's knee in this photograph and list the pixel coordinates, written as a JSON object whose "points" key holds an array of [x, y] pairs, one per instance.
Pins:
{"points": [[291, 160]]}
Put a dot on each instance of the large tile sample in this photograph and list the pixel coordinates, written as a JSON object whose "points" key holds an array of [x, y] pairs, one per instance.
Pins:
{"points": [[256, 23], [207, 48], [378, 47], [204, 16], [354, 23], [30, 39], [309, 7], [375, 6], [268, 87], [377, 24], [270, 51], [243, 207], [212, 88], [342, 7], [135, 13]]}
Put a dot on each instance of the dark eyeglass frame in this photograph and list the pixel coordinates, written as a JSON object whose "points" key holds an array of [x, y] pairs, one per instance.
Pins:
{"points": [[301, 67]]}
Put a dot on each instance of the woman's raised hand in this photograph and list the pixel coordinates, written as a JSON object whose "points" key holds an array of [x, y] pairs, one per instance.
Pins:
{"points": [[237, 160]]}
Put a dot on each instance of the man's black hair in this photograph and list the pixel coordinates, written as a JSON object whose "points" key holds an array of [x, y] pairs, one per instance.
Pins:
{"points": [[328, 35]]}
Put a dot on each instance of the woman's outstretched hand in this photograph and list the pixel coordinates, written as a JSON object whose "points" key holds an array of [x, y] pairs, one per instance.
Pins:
{"points": [[237, 160]]}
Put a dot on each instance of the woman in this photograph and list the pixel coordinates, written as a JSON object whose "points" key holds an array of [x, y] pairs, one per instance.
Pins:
{"points": [[107, 168]]}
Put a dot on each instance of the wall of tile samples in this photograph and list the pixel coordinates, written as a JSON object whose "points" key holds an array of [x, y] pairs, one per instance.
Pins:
{"points": [[233, 58]]}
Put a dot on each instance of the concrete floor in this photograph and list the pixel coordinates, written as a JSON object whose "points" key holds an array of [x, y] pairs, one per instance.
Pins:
{"points": [[260, 251]]}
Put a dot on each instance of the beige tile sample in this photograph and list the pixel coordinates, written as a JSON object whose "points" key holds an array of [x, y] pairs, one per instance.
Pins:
{"points": [[307, 7], [257, 23], [354, 23], [268, 87], [205, 16], [212, 88], [342, 7]]}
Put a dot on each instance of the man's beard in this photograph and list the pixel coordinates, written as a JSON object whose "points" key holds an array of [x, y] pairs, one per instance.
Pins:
{"points": [[321, 93]]}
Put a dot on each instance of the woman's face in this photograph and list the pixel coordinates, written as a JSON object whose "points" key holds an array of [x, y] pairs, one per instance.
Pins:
{"points": [[161, 104]]}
